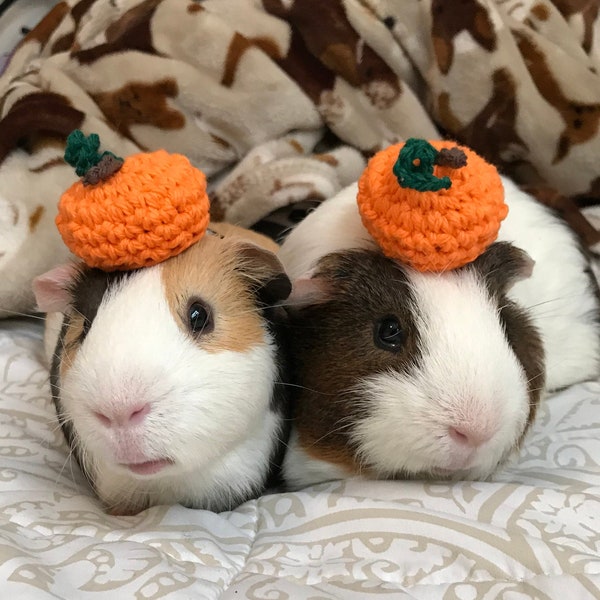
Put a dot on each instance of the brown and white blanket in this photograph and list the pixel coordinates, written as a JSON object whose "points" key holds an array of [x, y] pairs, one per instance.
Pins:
{"points": [[281, 102]]}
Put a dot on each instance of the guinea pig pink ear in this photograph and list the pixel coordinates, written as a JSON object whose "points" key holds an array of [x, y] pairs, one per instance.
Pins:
{"points": [[309, 291], [51, 289], [502, 265], [266, 274]]}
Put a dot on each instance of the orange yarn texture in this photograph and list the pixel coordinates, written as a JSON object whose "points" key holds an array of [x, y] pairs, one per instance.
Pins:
{"points": [[153, 208], [432, 231]]}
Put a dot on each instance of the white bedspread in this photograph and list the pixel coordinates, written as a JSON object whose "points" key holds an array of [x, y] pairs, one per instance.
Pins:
{"points": [[533, 533]]}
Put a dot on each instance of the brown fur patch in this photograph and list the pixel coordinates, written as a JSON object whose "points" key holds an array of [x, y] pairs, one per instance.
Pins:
{"points": [[237, 48], [446, 114], [327, 158], [63, 43], [46, 27], [493, 131], [327, 403], [208, 271], [297, 146], [589, 13], [132, 31], [451, 18], [35, 119], [70, 342], [308, 187], [141, 103], [220, 141], [194, 7], [324, 44], [35, 216], [268, 45], [342, 457], [541, 12]]}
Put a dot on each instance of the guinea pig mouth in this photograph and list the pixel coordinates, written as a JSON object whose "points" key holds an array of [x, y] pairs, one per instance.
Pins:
{"points": [[150, 467]]}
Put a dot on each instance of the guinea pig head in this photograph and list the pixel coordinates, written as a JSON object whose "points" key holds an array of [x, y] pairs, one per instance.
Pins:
{"points": [[164, 377], [411, 375]]}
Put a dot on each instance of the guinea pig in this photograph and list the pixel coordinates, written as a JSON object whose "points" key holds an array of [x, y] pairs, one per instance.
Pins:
{"points": [[167, 380], [403, 374]]}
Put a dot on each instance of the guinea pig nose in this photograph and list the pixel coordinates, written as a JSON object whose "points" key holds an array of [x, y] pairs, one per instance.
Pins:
{"points": [[469, 435], [129, 415]]}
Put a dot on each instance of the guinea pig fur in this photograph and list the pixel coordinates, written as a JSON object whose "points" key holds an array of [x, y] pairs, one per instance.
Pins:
{"points": [[404, 374], [166, 380]]}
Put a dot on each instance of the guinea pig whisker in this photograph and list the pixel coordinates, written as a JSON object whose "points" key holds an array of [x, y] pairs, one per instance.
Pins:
{"points": [[67, 458], [331, 432], [557, 299], [501, 308], [55, 423], [533, 377], [303, 387], [537, 389], [15, 313], [258, 309]]}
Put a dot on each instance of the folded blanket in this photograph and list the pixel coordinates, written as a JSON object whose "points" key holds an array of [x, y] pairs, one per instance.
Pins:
{"points": [[281, 102]]}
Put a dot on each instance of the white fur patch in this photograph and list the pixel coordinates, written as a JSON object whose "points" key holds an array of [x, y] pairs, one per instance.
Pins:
{"points": [[209, 411], [467, 378]]}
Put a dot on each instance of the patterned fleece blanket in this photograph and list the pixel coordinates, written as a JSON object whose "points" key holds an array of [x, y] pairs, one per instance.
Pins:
{"points": [[281, 102]]}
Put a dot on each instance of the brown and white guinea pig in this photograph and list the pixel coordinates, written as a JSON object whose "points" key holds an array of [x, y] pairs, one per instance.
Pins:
{"points": [[404, 374], [166, 380]]}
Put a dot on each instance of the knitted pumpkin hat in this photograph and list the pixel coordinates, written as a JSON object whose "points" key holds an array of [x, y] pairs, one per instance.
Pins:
{"points": [[431, 205], [132, 213]]}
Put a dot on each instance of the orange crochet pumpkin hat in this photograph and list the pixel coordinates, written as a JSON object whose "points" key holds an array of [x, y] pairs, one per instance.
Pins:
{"points": [[132, 213], [432, 205]]}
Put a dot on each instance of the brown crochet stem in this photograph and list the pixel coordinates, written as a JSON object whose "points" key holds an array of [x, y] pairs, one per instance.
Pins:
{"points": [[107, 166], [454, 158]]}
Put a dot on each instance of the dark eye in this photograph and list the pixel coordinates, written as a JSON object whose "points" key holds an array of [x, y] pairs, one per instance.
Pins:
{"points": [[388, 334], [199, 318]]}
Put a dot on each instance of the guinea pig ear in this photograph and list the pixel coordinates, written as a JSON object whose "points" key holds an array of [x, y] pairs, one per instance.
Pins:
{"points": [[51, 290], [309, 290], [502, 265], [265, 272]]}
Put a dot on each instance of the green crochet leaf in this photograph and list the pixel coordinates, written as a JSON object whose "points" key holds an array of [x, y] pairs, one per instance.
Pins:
{"points": [[82, 151], [418, 174]]}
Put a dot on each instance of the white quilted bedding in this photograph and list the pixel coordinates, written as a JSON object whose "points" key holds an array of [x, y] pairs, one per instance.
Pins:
{"points": [[533, 533]]}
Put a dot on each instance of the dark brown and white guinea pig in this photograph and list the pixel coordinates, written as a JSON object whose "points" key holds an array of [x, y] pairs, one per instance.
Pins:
{"points": [[165, 379], [403, 374]]}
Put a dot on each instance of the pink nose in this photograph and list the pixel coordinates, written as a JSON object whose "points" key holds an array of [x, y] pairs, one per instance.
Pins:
{"points": [[128, 415], [470, 435]]}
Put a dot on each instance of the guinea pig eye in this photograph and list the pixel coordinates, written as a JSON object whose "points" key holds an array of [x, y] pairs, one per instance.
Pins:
{"points": [[199, 320], [388, 334]]}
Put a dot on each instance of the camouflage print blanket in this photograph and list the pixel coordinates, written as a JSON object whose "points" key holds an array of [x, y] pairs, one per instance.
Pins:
{"points": [[281, 102]]}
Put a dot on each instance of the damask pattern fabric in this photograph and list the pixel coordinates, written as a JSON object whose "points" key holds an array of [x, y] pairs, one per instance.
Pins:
{"points": [[282, 101], [534, 532]]}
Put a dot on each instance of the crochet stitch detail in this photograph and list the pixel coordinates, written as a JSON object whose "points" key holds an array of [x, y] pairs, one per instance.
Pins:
{"points": [[432, 230], [153, 208]]}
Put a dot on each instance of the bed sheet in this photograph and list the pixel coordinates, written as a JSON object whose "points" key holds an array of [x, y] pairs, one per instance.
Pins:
{"points": [[533, 532]]}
